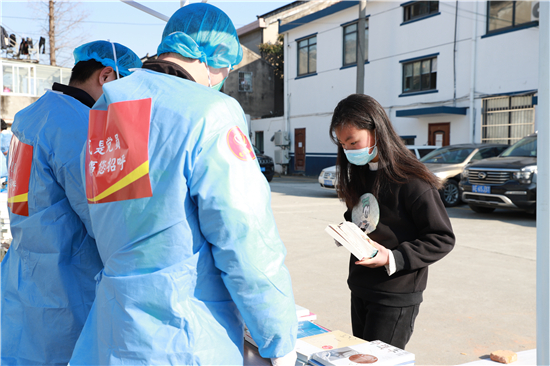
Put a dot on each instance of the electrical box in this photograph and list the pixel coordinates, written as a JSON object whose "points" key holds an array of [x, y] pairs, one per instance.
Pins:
{"points": [[282, 156], [281, 138]]}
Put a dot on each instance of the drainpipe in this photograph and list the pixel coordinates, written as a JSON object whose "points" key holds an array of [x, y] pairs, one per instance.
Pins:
{"points": [[360, 57], [473, 76], [287, 94]]}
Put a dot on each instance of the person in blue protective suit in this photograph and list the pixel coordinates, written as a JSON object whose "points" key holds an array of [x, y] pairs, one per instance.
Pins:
{"points": [[47, 284], [5, 138], [182, 214]]}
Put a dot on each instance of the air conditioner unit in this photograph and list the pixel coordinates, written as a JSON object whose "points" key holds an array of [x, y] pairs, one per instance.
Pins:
{"points": [[535, 5], [282, 157], [282, 138]]}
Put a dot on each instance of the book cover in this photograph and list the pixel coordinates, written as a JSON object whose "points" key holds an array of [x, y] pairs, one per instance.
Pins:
{"points": [[308, 329], [377, 353], [305, 347]]}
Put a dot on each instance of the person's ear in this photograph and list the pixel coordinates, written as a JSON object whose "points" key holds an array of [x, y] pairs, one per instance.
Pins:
{"points": [[106, 75]]}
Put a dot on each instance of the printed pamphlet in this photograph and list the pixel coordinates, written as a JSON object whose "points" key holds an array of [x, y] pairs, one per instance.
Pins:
{"points": [[353, 239]]}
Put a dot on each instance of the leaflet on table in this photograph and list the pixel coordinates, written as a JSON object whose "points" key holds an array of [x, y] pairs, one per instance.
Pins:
{"points": [[377, 353]]}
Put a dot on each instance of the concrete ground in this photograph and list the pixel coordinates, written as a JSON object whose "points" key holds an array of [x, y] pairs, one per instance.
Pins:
{"points": [[480, 298]]}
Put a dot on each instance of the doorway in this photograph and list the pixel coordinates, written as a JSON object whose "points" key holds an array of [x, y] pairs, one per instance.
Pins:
{"points": [[300, 149], [439, 133]]}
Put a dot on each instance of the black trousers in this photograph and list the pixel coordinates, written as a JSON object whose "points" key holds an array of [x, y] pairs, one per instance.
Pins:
{"points": [[392, 325]]}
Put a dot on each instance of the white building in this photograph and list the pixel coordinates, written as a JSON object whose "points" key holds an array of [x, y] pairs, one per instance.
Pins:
{"points": [[24, 82], [446, 72]]}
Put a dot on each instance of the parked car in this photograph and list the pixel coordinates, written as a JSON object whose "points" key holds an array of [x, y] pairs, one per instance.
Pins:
{"points": [[327, 178], [266, 164], [506, 181], [448, 162], [421, 151]]}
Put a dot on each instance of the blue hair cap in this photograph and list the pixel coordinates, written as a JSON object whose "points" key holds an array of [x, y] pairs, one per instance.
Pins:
{"points": [[104, 53], [202, 31]]}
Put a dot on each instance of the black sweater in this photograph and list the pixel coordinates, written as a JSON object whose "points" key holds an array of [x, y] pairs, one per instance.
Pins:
{"points": [[415, 226]]}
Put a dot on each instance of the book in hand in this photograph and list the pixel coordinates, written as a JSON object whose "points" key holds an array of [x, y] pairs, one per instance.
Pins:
{"points": [[376, 353], [307, 346], [353, 239]]}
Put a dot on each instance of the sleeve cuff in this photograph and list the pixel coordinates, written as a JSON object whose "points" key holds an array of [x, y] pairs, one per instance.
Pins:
{"points": [[391, 267]]}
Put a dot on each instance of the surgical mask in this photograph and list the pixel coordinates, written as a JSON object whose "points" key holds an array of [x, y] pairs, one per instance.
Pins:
{"points": [[362, 156], [219, 85]]}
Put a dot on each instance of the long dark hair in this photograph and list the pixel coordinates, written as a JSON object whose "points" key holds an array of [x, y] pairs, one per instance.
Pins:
{"points": [[396, 163]]}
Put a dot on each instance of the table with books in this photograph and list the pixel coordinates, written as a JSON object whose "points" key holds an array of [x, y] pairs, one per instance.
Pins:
{"points": [[318, 346]]}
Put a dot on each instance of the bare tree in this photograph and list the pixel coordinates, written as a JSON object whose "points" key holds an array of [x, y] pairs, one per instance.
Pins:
{"points": [[64, 18]]}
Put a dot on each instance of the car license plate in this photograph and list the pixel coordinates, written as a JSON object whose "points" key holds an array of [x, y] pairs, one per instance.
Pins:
{"points": [[328, 182], [481, 189], [262, 168]]}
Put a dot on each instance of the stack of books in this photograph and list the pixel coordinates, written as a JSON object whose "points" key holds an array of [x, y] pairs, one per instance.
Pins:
{"points": [[304, 314], [306, 329], [375, 353], [318, 346], [306, 347]]}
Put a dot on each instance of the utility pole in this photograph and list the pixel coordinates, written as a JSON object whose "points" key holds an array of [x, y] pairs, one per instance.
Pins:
{"points": [[51, 32], [360, 86]]}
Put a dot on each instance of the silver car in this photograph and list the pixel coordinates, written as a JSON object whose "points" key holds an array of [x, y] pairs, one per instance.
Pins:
{"points": [[327, 178]]}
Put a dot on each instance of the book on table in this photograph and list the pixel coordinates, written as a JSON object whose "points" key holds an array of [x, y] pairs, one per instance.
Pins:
{"points": [[306, 328], [307, 346], [376, 353], [301, 311], [353, 239]]}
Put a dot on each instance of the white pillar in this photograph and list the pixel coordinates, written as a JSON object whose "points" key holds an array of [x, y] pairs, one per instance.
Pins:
{"points": [[543, 167]]}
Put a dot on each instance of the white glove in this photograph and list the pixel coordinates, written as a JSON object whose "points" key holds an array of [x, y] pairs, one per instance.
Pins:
{"points": [[288, 360]]}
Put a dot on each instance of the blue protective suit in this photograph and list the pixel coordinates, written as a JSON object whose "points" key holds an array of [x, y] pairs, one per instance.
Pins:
{"points": [[47, 284], [5, 138], [185, 266]]}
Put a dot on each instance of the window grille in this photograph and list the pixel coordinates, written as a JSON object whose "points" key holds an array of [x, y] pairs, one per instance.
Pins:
{"points": [[507, 119]]}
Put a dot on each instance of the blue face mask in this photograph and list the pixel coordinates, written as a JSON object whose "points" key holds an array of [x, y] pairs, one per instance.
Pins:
{"points": [[362, 156]]}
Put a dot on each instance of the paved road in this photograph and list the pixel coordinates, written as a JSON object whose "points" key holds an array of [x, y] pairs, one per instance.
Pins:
{"points": [[480, 298]]}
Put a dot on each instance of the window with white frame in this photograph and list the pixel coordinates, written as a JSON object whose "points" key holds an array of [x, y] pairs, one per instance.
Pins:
{"points": [[507, 119], [18, 79], [503, 15], [419, 9], [420, 75], [351, 42], [307, 56], [31, 80], [245, 81]]}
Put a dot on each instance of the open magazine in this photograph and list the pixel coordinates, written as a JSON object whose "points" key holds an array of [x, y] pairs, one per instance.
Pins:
{"points": [[353, 239]]}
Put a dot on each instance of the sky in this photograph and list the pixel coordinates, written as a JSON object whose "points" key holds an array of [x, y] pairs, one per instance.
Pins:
{"points": [[116, 21]]}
